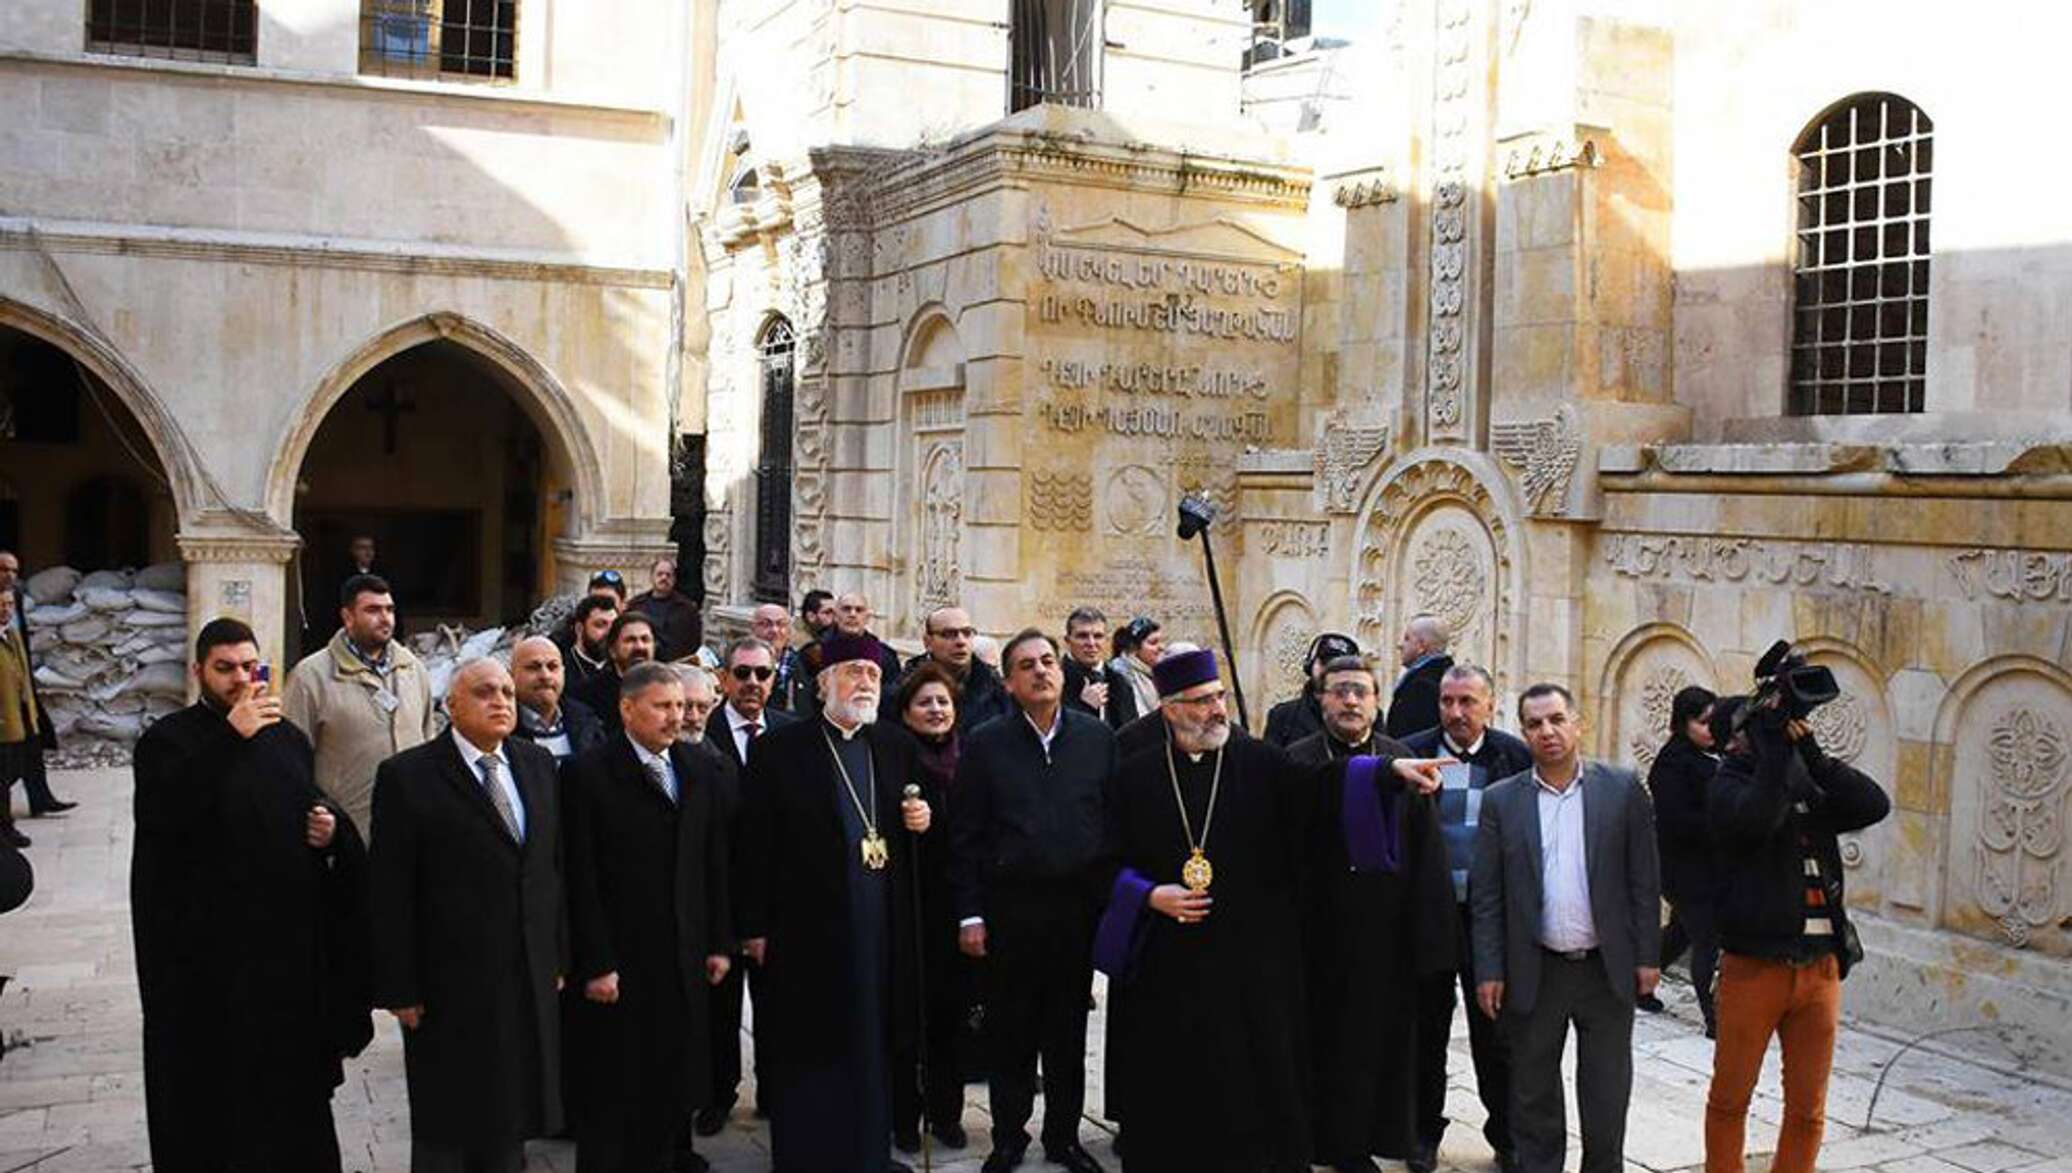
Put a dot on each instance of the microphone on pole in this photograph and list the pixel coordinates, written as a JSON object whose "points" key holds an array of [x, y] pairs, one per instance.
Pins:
{"points": [[912, 793]]}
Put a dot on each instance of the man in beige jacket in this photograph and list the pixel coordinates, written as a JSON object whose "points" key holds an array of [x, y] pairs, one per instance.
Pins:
{"points": [[361, 699]]}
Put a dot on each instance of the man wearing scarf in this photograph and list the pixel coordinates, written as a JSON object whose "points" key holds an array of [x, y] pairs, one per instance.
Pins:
{"points": [[824, 871]]}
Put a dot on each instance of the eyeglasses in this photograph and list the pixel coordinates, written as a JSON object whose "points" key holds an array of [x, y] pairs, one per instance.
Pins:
{"points": [[744, 672], [954, 632], [1198, 702], [1351, 691]]}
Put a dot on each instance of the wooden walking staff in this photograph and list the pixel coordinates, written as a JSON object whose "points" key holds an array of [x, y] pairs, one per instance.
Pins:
{"points": [[913, 794]]}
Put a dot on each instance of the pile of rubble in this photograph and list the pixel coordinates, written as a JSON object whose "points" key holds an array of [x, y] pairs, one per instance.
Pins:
{"points": [[111, 656], [451, 645]]}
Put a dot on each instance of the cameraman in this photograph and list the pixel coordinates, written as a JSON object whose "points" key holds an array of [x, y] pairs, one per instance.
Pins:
{"points": [[1776, 806]]}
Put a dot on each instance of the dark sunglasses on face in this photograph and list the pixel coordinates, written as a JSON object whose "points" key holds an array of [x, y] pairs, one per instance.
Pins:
{"points": [[744, 671]]}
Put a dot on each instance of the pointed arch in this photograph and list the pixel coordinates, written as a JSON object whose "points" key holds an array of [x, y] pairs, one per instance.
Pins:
{"points": [[535, 389]]}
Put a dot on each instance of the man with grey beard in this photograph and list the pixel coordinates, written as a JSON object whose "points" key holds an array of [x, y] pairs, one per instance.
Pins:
{"points": [[1200, 940]]}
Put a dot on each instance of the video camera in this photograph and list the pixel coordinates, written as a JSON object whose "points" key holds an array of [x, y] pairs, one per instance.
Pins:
{"points": [[1787, 684]]}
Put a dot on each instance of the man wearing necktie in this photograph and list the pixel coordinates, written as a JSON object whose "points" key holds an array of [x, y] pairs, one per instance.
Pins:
{"points": [[465, 892], [649, 922]]}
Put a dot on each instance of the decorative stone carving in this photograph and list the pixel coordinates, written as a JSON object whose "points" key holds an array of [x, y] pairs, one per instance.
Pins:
{"points": [[1448, 577], [1345, 447], [2021, 575], [1543, 156], [1217, 486], [2021, 827], [1364, 192], [719, 546], [1842, 726], [1453, 78], [1441, 493], [942, 527], [1546, 451], [1060, 502], [1290, 624], [1293, 539], [1846, 565], [1136, 500], [1657, 700]]}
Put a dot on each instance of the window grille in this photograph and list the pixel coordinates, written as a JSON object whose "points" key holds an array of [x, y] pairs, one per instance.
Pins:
{"points": [[1860, 279], [1052, 45], [174, 30], [774, 356], [451, 40], [1274, 24]]}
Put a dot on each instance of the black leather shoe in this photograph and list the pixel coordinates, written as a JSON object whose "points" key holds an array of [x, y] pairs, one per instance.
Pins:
{"points": [[709, 1121], [1001, 1161], [1075, 1158], [57, 806], [1650, 1003], [907, 1139], [951, 1135], [13, 837]]}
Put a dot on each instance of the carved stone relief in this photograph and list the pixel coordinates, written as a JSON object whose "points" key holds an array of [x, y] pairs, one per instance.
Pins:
{"points": [[1545, 451], [1060, 502], [1345, 448], [2012, 771], [1444, 497], [1285, 635], [1448, 569], [1453, 77], [942, 527], [719, 548], [1640, 689], [1135, 500]]}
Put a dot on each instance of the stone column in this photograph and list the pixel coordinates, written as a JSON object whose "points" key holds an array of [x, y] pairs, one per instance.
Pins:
{"points": [[243, 576]]}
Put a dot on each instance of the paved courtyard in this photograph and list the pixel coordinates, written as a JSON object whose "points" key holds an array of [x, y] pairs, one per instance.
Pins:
{"points": [[71, 1085]]}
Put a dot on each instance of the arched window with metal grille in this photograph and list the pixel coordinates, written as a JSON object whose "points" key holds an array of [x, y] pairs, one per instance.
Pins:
{"points": [[1860, 270], [774, 358]]}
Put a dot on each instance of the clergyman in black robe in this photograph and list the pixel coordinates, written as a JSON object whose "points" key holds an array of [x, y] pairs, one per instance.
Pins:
{"points": [[470, 932], [246, 898], [1212, 1053], [825, 907], [649, 923]]}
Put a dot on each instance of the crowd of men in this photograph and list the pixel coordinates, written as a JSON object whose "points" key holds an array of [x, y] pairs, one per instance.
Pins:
{"points": [[563, 886]]}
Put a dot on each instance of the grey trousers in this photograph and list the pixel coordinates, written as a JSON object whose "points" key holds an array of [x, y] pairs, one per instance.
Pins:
{"points": [[1571, 992]]}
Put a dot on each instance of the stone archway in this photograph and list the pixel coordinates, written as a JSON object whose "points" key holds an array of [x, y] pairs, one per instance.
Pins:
{"points": [[459, 455]]}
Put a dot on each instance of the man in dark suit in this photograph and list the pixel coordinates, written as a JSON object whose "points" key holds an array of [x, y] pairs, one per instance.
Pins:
{"points": [[650, 928], [631, 641], [1467, 704], [465, 894], [547, 716], [1086, 676], [1415, 705], [746, 680], [1567, 931]]}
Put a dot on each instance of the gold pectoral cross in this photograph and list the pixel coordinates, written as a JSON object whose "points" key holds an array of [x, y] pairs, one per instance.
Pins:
{"points": [[876, 852]]}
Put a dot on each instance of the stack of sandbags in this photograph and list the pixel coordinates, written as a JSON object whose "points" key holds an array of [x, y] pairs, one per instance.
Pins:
{"points": [[444, 650], [110, 652]]}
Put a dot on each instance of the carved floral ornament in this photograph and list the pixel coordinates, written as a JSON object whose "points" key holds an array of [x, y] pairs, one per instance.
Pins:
{"points": [[1658, 691], [2021, 829], [1419, 487]]}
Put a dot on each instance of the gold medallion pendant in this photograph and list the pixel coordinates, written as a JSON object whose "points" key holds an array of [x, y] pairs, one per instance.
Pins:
{"points": [[1197, 874], [876, 854]]}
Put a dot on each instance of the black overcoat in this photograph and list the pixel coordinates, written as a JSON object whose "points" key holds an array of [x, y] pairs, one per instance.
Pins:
{"points": [[1414, 703], [251, 958], [648, 900], [471, 925], [1679, 781], [1212, 1015]]}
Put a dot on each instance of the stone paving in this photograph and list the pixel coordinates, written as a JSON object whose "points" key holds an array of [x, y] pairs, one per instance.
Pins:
{"points": [[71, 1087]]}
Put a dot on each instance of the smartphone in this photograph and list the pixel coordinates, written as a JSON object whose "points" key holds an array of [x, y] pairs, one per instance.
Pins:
{"points": [[264, 675]]}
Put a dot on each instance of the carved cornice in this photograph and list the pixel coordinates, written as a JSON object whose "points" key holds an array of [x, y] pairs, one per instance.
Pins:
{"points": [[1361, 189], [276, 548], [18, 235], [1545, 154]]}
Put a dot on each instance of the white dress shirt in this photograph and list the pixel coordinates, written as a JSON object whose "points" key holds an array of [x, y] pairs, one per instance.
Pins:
{"points": [[1565, 921], [473, 757], [737, 727], [648, 758]]}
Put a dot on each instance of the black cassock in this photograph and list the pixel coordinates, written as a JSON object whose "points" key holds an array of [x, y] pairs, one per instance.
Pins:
{"points": [[836, 993], [470, 924], [1371, 933], [251, 958], [647, 892], [1208, 1021]]}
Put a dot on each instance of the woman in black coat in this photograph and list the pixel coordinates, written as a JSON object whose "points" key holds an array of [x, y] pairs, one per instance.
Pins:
{"points": [[1679, 779]]}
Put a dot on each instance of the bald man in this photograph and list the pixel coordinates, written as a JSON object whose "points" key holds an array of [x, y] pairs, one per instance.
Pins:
{"points": [[469, 946], [1414, 706], [547, 716], [771, 623], [853, 617]]}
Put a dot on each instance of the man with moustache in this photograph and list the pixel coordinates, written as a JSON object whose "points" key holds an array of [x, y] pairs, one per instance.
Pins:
{"points": [[247, 900], [853, 617], [650, 929], [1377, 915], [1467, 706], [465, 887], [360, 699], [1086, 676], [826, 910], [585, 646], [563, 726], [1303, 715], [1026, 844], [1201, 940], [947, 637], [631, 641], [746, 679], [678, 628], [771, 624], [700, 697]]}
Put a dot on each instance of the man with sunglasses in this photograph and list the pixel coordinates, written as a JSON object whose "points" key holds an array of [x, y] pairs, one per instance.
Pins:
{"points": [[948, 636], [746, 680]]}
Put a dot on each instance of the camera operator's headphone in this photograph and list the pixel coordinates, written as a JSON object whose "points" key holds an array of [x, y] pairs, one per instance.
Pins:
{"points": [[1328, 645]]}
